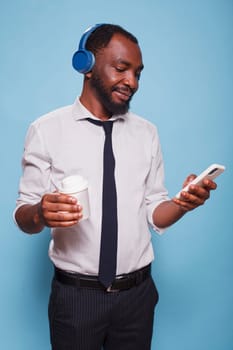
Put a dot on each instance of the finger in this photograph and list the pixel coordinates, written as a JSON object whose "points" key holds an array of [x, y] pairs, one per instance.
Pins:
{"points": [[59, 198], [62, 219], [189, 201], [186, 206], [65, 213], [190, 178], [203, 193], [62, 224], [55, 203], [209, 184]]}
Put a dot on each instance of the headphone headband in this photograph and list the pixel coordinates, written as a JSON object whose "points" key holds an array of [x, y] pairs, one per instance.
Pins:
{"points": [[86, 34], [83, 60]]}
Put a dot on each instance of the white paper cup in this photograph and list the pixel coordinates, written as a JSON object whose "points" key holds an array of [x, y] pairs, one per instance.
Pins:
{"points": [[76, 186]]}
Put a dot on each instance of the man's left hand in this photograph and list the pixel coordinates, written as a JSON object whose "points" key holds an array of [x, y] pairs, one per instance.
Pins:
{"points": [[196, 195]]}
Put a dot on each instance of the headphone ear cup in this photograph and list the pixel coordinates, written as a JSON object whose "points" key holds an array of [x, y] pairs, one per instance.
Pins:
{"points": [[83, 61]]}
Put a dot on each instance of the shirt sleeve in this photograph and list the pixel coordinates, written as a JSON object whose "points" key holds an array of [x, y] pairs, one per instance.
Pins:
{"points": [[36, 166], [156, 191]]}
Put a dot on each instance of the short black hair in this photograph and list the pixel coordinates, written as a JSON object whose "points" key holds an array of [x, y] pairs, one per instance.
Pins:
{"points": [[102, 35]]}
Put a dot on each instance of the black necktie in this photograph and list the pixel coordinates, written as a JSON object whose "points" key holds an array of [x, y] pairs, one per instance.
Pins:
{"points": [[108, 248]]}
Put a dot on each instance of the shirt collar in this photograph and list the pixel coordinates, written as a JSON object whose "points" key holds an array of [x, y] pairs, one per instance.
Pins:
{"points": [[80, 112]]}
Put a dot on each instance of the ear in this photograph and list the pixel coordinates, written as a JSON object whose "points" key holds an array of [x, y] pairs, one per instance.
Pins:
{"points": [[88, 74]]}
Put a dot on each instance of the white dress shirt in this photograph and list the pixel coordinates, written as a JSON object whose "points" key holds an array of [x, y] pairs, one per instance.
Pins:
{"points": [[63, 143]]}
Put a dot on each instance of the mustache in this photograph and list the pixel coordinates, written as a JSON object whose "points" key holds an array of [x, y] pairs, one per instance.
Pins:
{"points": [[126, 90]]}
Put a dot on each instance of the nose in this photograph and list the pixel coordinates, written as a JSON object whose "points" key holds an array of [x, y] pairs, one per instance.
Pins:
{"points": [[131, 80]]}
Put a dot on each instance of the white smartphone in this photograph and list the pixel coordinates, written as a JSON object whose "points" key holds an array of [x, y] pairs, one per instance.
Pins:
{"points": [[211, 173]]}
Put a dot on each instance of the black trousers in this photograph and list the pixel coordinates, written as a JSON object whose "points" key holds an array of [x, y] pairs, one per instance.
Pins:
{"points": [[89, 319]]}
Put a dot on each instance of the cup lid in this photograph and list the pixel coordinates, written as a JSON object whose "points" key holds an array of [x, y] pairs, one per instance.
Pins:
{"points": [[72, 184]]}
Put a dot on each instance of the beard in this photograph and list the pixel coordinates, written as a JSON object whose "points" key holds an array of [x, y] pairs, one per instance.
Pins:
{"points": [[105, 97]]}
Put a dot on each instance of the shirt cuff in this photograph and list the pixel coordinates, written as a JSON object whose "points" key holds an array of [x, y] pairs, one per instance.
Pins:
{"points": [[150, 211]]}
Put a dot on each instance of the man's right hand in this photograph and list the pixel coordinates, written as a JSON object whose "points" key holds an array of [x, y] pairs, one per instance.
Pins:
{"points": [[54, 210], [59, 210]]}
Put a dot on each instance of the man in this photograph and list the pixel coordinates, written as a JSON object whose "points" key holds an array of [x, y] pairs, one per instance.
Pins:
{"points": [[85, 313]]}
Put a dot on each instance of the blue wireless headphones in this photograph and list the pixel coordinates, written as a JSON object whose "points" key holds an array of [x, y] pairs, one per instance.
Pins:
{"points": [[83, 60]]}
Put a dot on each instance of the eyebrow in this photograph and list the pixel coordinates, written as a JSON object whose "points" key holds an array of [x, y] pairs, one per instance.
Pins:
{"points": [[126, 63]]}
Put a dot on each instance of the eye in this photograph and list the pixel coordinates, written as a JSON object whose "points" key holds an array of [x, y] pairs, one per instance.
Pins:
{"points": [[120, 69], [138, 75]]}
